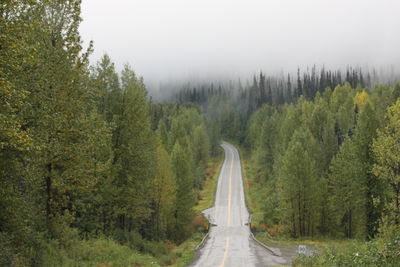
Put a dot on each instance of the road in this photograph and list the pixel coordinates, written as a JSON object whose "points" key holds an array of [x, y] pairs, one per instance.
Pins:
{"points": [[229, 242]]}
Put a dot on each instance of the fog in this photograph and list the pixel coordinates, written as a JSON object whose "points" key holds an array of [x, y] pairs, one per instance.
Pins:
{"points": [[168, 40]]}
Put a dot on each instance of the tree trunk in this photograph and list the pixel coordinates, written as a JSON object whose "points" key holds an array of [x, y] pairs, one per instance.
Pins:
{"points": [[349, 225], [48, 191], [294, 220], [300, 213], [397, 215]]}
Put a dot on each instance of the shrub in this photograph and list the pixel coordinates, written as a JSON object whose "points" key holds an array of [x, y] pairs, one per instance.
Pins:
{"points": [[383, 251]]}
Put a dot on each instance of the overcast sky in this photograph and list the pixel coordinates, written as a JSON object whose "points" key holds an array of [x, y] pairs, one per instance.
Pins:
{"points": [[169, 39]]}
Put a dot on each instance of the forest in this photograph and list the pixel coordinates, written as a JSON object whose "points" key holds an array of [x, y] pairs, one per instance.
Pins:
{"points": [[85, 154], [323, 154]]}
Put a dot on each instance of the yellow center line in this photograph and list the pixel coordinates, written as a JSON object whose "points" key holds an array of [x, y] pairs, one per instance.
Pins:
{"points": [[225, 253], [229, 214]]}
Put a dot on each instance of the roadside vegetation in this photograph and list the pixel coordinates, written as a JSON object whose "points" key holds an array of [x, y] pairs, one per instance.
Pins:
{"points": [[356, 170], [106, 252], [320, 169], [92, 172]]}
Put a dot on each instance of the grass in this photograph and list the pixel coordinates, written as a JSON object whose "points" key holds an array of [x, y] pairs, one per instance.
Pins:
{"points": [[382, 251], [185, 252], [97, 253]]}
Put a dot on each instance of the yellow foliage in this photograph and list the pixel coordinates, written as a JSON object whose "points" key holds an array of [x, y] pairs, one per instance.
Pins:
{"points": [[361, 98]]}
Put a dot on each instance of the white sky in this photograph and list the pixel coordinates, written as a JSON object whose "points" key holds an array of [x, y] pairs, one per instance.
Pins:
{"points": [[171, 39]]}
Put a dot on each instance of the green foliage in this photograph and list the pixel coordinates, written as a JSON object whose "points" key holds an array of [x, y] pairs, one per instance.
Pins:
{"points": [[183, 212], [135, 149], [95, 252], [298, 186], [80, 153], [348, 191], [84, 153], [383, 251], [386, 150], [164, 191], [315, 163]]}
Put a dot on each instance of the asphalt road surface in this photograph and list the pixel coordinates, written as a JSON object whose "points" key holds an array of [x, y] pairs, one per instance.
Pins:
{"points": [[229, 242]]}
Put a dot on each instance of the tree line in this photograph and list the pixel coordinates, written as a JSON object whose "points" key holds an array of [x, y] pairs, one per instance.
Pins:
{"points": [[324, 155], [83, 151], [323, 148], [278, 89], [323, 162]]}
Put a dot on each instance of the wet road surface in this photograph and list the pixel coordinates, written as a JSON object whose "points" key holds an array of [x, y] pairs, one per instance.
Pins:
{"points": [[229, 242]]}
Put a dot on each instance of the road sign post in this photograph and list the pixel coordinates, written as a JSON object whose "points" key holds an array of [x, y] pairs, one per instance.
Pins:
{"points": [[302, 249]]}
